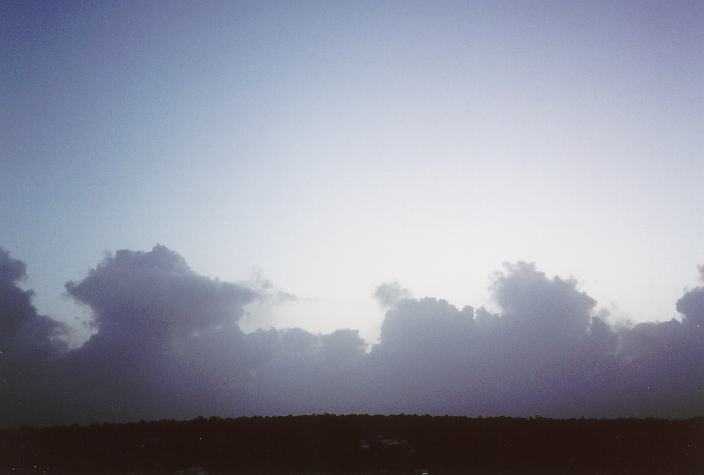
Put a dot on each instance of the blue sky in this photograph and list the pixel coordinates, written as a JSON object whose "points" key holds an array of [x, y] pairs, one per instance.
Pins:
{"points": [[333, 146]]}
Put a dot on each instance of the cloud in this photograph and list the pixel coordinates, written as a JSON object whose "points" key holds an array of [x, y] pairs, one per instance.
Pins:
{"points": [[529, 298], [167, 339], [299, 372], [29, 344], [691, 305], [20, 324], [168, 345], [389, 294], [267, 292], [524, 360], [545, 352], [155, 294]]}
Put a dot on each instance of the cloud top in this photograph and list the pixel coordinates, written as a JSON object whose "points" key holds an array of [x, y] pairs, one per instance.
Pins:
{"points": [[157, 293]]}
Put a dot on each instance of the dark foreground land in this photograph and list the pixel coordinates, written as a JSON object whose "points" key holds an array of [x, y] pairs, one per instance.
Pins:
{"points": [[361, 444]]}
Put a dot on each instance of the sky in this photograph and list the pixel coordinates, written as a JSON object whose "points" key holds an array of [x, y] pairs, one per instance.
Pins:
{"points": [[332, 147], [312, 151]]}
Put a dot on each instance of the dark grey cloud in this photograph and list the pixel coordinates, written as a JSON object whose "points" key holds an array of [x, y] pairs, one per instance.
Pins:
{"points": [[299, 372], [167, 340], [167, 344], [156, 295], [545, 352], [20, 324], [524, 360], [29, 346]]}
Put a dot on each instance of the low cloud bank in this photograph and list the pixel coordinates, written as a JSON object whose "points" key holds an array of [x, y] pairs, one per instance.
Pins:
{"points": [[167, 345]]}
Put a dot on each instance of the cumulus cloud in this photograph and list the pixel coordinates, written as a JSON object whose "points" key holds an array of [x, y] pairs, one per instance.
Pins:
{"points": [[389, 294], [156, 295], [20, 324], [168, 344], [162, 332], [691, 305], [29, 345]]}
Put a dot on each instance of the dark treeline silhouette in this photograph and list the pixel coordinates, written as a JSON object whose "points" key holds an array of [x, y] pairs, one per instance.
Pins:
{"points": [[362, 442]]}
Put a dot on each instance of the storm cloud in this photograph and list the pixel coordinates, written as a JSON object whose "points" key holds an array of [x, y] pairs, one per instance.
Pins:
{"points": [[167, 345]]}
